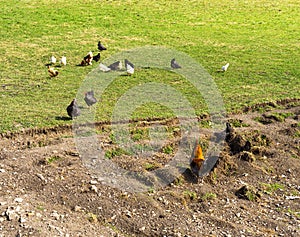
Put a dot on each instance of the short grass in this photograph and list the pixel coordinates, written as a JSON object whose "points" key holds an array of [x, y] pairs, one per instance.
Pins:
{"points": [[260, 40]]}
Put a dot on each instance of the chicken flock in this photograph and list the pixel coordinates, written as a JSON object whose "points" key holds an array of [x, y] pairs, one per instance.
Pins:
{"points": [[73, 109]]}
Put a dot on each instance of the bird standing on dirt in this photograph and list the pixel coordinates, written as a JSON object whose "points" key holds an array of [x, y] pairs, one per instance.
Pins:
{"points": [[89, 98], [230, 134], [197, 159], [174, 64], [52, 72], [73, 109], [101, 47]]}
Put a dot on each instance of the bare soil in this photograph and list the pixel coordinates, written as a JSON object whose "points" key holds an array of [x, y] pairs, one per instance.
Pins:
{"points": [[253, 190]]}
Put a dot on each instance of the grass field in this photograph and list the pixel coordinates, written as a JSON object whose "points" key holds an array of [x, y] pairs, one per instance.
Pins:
{"points": [[260, 40]]}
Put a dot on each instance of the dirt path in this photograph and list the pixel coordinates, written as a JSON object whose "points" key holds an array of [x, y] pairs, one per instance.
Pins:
{"points": [[253, 191]]}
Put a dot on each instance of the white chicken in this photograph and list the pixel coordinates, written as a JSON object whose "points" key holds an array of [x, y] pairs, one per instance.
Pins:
{"points": [[104, 68], [63, 60], [52, 60], [129, 67], [225, 67]]}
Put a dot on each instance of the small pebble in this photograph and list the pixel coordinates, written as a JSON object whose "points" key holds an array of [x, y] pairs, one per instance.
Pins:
{"points": [[19, 200]]}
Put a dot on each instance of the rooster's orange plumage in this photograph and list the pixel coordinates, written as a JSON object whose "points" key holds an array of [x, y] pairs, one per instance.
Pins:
{"points": [[197, 159]]}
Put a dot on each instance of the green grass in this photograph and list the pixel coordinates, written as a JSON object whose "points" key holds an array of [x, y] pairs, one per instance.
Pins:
{"points": [[260, 40], [109, 154], [150, 166], [271, 188], [208, 196], [53, 159], [190, 195]]}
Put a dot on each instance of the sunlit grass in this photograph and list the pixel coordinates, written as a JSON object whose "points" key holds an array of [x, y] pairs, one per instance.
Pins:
{"points": [[260, 40]]}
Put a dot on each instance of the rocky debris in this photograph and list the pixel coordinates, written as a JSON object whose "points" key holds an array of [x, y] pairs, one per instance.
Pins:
{"points": [[64, 199]]}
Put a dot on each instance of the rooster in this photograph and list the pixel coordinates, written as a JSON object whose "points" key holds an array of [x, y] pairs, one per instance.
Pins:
{"points": [[129, 67], [73, 109], [174, 64], [52, 72], [87, 60], [197, 159], [116, 65], [96, 57], [101, 47], [89, 98]]}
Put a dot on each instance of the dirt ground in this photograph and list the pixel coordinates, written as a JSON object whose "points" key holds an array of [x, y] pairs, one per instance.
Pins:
{"points": [[253, 190]]}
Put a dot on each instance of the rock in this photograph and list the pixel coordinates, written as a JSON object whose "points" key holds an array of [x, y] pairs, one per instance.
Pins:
{"points": [[41, 177], [55, 215], [77, 208], [19, 200], [292, 197], [94, 188], [11, 214], [93, 182], [128, 213], [22, 219]]}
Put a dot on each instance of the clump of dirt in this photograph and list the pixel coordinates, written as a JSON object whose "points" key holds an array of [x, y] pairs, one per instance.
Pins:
{"points": [[253, 190], [248, 192]]}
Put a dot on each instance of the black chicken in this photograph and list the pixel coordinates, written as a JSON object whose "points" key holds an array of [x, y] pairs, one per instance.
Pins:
{"points": [[174, 64], [100, 46], [116, 66], [96, 57], [73, 109], [89, 98]]}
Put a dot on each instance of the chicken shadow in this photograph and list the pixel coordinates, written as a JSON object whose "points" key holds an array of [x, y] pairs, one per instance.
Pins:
{"points": [[63, 118], [189, 176]]}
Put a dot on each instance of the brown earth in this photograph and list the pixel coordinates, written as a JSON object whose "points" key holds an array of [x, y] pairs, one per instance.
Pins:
{"points": [[253, 190]]}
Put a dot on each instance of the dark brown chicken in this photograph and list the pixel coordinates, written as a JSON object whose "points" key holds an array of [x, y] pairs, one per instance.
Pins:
{"points": [[101, 47], [89, 98], [174, 64], [115, 66], [73, 109], [96, 58]]}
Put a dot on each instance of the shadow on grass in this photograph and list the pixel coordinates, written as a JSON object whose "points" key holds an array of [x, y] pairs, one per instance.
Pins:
{"points": [[63, 118]]}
